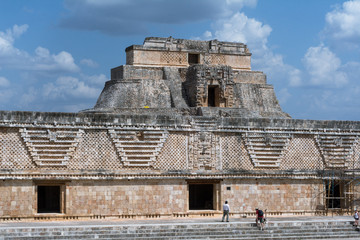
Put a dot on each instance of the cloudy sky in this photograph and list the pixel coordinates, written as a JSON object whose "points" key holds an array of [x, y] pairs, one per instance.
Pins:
{"points": [[56, 55]]}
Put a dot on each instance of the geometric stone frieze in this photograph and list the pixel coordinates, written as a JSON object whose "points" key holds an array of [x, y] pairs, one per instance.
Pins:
{"points": [[138, 148], [336, 149], [266, 149], [51, 147], [204, 152]]}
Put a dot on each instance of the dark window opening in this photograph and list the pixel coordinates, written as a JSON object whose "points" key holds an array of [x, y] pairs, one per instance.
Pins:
{"points": [[213, 100], [193, 58], [333, 194], [48, 199], [201, 196]]}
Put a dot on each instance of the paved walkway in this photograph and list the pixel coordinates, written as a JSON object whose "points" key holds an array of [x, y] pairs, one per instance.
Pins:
{"points": [[187, 221]]}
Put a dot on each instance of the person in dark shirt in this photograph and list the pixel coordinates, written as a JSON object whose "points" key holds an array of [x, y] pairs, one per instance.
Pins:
{"points": [[260, 218]]}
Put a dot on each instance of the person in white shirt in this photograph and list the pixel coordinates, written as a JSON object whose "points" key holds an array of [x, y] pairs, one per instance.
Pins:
{"points": [[356, 217], [226, 210]]}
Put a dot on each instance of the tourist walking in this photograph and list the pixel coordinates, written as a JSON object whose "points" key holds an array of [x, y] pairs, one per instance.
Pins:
{"points": [[226, 210], [356, 217], [260, 218]]}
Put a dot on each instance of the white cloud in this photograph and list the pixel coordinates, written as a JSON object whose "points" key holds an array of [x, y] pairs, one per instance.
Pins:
{"points": [[96, 79], [28, 98], [42, 60], [324, 67], [295, 77], [31, 69], [240, 28], [343, 23], [17, 31], [6, 96], [63, 61], [89, 63], [69, 86], [336, 91], [283, 95], [42, 53], [4, 82], [10, 34], [7, 39]]}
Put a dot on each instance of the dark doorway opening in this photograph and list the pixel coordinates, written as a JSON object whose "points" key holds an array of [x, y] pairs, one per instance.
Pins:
{"points": [[193, 58], [333, 194], [201, 196], [213, 96], [48, 199]]}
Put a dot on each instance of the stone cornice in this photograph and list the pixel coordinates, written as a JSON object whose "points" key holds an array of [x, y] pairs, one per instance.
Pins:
{"points": [[175, 122], [61, 176]]}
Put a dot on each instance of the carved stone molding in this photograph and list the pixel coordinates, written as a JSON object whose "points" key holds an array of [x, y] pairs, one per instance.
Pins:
{"points": [[138, 148], [204, 151], [266, 149], [51, 147], [336, 149]]}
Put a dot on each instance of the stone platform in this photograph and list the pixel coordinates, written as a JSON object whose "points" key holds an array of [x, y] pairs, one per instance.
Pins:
{"points": [[337, 227]]}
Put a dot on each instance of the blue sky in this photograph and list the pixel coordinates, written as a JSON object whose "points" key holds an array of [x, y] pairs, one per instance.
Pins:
{"points": [[56, 55]]}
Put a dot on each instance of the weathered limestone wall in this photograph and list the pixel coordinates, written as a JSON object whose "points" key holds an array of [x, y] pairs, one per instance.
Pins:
{"points": [[275, 195], [134, 94], [237, 62], [143, 57], [175, 52], [126, 197], [162, 197], [175, 145], [93, 149], [114, 164], [17, 198], [249, 77], [356, 197], [127, 72], [257, 97]]}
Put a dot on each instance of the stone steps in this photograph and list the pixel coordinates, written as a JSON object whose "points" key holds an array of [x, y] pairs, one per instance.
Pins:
{"points": [[236, 230]]}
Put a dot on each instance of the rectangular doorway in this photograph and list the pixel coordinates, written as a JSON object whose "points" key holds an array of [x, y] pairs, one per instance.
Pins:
{"points": [[334, 194], [49, 199], [201, 196], [213, 96], [193, 58]]}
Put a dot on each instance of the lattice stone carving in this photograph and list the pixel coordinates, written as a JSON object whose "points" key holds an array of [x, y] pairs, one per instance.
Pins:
{"points": [[266, 149], [138, 148], [173, 58], [173, 155], [216, 59], [356, 156], [302, 153], [336, 150], [204, 151], [51, 147]]}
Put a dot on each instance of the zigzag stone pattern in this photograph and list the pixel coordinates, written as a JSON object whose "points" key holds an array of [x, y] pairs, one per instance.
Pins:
{"points": [[266, 149], [138, 148], [51, 147], [336, 149]]}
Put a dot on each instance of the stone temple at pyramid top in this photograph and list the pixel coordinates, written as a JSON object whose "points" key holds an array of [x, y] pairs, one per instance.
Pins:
{"points": [[189, 77]]}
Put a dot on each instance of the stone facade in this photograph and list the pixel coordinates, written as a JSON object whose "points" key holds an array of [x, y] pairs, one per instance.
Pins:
{"points": [[155, 146]]}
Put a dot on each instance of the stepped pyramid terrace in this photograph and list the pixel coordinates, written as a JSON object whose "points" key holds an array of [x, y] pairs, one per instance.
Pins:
{"points": [[179, 129]]}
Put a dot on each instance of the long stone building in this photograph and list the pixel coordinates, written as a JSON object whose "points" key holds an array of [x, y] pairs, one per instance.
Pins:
{"points": [[179, 129]]}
